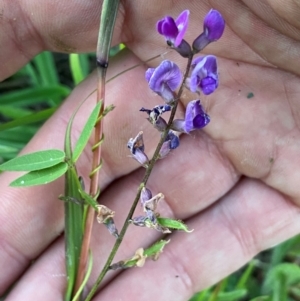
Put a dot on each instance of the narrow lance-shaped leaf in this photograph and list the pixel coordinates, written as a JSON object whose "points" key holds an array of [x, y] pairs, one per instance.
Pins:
{"points": [[86, 132], [40, 177], [35, 161]]}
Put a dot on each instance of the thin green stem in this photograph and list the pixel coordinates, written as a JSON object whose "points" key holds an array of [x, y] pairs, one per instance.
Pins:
{"points": [[143, 183]]}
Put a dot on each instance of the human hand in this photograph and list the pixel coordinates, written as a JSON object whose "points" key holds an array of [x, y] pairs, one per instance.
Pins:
{"points": [[235, 182]]}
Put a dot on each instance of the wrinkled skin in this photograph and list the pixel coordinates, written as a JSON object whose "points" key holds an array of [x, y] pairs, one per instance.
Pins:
{"points": [[239, 178]]}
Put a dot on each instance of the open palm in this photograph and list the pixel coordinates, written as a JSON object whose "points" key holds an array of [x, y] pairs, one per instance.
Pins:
{"points": [[235, 183]]}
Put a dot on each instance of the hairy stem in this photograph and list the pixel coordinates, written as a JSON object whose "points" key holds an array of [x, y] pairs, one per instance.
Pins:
{"points": [[143, 183], [107, 23]]}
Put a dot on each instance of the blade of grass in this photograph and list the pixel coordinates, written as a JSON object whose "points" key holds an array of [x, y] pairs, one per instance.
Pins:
{"points": [[77, 62], [48, 74], [28, 119], [246, 275], [19, 134], [14, 112], [46, 68], [31, 96], [31, 73]]}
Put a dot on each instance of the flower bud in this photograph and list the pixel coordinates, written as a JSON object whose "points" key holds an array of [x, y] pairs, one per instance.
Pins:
{"points": [[213, 28], [136, 146]]}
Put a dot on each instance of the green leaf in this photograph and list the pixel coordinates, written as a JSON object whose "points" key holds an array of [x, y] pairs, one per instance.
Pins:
{"points": [[262, 298], [281, 250], [35, 161], [86, 132], [173, 224], [74, 228], [290, 271], [232, 296], [40, 177], [86, 277], [88, 199]]}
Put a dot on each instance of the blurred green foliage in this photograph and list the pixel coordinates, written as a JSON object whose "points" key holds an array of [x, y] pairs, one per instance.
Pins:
{"points": [[32, 95]]}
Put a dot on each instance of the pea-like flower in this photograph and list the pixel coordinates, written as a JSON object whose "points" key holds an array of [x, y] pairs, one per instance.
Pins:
{"points": [[164, 79], [195, 118], [137, 147], [213, 28], [174, 30], [204, 77]]}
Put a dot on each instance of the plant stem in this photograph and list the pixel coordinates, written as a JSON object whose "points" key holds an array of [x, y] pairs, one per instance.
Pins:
{"points": [[107, 23], [143, 183]]}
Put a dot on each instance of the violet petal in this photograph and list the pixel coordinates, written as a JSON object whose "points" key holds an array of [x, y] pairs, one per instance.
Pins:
{"points": [[214, 25], [179, 125], [204, 75], [182, 24]]}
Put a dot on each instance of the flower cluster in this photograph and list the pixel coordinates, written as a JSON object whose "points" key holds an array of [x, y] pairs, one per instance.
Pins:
{"points": [[149, 205], [164, 80]]}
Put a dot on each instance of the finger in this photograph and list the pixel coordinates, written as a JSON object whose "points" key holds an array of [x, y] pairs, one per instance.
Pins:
{"points": [[288, 10], [200, 185], [246, 221], [252, 28], [32, 217], [29, 28]]}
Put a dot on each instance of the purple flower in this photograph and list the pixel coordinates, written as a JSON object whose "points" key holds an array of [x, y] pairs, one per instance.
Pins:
{"points": [[204, 75], [214, 25], [213, 28], [136, 146], [148, 202], [173, 31], [164, 79], [171, 142], [195, 118]]}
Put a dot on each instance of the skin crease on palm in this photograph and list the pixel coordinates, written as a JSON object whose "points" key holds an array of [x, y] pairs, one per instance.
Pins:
{"points": [[236, 183]]}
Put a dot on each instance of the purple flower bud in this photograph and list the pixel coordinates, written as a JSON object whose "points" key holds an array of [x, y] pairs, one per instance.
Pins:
{"points": [[195, 118], [136, 146], [204, 75], [213, 29], [173, 31], [146, 195], [214, 25], [164, 79]]}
